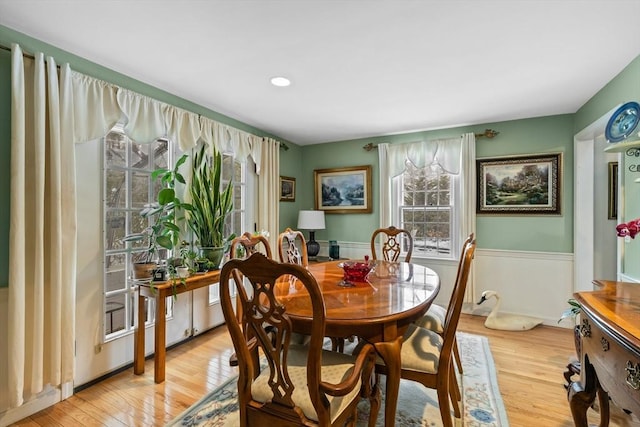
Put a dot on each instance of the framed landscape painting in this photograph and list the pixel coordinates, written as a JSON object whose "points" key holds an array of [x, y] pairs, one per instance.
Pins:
{"points": [[287, 189], [343, 190], [520, 185]]}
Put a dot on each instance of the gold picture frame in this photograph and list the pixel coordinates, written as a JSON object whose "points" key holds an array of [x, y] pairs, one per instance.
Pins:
{"points": [[343, 190], [287, 189]]}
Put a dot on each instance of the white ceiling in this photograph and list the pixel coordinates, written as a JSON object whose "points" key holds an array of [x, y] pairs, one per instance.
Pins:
{"points": [[358, 68]]}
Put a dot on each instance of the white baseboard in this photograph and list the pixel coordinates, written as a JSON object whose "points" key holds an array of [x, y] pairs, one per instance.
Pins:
{"points": [[44, 400]]}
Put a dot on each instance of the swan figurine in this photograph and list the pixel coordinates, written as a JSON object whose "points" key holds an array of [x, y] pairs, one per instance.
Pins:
{"points": [[506, 322]]}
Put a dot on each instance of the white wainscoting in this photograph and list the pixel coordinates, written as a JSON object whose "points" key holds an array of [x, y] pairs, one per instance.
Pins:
{"points": [[534, 284]]}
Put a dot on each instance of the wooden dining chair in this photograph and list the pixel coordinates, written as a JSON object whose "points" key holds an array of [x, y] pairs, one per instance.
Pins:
{"points": [[249, 244], [292, 384], [243, 247], [391, 245], [434, 317], [427, 357], [292, 247]]}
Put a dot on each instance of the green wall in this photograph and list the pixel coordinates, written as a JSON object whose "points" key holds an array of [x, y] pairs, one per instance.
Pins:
{"points": [[532, 233]]}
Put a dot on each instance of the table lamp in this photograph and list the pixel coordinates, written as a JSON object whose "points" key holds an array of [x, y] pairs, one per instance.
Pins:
{"points": [[312, 221]]}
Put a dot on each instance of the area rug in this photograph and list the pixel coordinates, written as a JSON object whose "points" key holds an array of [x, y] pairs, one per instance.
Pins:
{"points": [[482, 405]]}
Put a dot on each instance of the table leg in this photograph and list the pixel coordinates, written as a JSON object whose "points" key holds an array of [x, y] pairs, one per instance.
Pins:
{"points": [[390, 353], [159, 357], [138, 341]]}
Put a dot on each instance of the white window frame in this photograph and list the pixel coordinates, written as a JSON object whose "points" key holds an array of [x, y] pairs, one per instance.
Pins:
{"points": [[397, 201]]}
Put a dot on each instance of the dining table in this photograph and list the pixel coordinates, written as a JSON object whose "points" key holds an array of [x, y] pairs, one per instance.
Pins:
{"points": [[378, 310]]}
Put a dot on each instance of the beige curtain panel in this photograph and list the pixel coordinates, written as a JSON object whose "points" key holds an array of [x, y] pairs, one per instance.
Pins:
{"points": [[42, 239], [50, 111]]}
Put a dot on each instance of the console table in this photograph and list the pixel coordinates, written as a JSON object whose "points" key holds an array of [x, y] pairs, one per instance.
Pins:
{"points": [[160, 291], [610, 360]]}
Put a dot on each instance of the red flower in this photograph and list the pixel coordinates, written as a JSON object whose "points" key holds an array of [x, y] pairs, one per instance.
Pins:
{"points": [[630, 228]]}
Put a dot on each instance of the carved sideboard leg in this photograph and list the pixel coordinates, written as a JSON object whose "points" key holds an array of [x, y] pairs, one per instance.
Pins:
{"points": [[603, 401], [579, 401]]}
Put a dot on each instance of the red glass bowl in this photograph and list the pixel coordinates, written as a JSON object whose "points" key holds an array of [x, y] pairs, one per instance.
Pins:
{"points": [[356, 271]]}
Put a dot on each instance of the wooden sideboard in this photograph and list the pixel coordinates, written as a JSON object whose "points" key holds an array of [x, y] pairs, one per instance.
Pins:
{"points": [[610, 346]]}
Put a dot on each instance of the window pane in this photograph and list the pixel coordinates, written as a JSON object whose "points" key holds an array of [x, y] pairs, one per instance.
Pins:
{"points": [[160, 154], [227, 168], [139, 189], [139, 155], [116, 196], [115, 230], [115, 313], [115, 272], [427, 210], [115, 150]]}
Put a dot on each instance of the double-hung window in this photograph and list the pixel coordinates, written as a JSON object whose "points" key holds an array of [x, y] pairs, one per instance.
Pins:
{"points": [[425, 189], [425, 206]]}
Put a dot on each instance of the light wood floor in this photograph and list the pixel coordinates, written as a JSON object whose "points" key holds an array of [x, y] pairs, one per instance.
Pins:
{"points": [[529, 366]]}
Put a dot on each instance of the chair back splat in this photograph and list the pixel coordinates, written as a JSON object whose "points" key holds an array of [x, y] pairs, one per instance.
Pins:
{"points": [[301, 384], [250, 245], [393, 240], [292, 247]]}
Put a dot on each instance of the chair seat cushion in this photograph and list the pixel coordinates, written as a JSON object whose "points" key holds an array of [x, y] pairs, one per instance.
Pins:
{"points": [[433, 319], [336, 367], [421, 350]]}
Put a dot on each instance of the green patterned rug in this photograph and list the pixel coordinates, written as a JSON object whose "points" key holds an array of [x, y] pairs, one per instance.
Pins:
{"points": [[417, 406]]}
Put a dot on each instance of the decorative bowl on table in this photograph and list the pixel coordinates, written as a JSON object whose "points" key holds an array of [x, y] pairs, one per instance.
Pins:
{"points": [[357, 270]]}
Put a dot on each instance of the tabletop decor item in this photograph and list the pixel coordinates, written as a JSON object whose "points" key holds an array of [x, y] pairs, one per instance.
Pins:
{"points": [[628, 229], [356, 271], [312, 221]]}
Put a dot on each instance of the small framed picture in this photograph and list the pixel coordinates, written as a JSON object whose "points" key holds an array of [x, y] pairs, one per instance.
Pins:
{"points": [[520, 185], [612, 211], [287, 189], [343, 190]]}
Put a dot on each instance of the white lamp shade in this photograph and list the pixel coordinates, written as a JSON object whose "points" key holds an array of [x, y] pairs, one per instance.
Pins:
{"points": [[311, 220]]}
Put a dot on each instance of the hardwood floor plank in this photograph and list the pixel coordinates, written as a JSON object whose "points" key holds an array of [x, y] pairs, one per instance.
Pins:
{"points": [[529, 367]]}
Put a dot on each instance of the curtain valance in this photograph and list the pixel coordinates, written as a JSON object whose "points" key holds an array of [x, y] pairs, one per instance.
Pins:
{"points": [[442, 152], [98, 106], [95, 107]]}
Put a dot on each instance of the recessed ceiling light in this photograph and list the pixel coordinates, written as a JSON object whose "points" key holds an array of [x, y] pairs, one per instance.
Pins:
{"points": [[280, 81]]}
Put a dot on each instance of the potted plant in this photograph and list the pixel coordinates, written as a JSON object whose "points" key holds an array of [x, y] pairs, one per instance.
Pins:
{"points": [[163, 232], [210, 205]]}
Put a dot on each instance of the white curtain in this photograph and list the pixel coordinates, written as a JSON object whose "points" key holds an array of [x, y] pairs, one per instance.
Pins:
{"points": [[392, 159], [455, 156], [95, 109], [42, 241], [148, 120], [268, 170], [468, 203]]}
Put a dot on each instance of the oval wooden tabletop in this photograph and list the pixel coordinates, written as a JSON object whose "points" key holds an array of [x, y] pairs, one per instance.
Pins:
{"points": [[393, 292]]}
